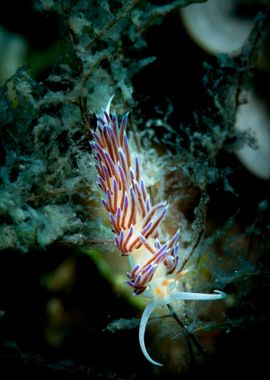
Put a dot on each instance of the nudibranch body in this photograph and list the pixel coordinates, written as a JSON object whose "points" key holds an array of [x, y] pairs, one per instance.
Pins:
{"points": [[155, 265]]}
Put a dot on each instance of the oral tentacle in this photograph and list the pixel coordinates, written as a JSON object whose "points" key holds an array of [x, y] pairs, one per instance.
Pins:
{"points": [[144, 320], [188, 296]]}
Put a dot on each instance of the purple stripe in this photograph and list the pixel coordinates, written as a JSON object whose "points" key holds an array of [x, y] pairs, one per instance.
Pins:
{"points": [[121, 236], [122, 175], [112, 219], [157, 244], [114, 143], [118, 215], [174, 239], [131, 284], [134, 271], [143, 190], [97, 138], [109, 196], [107, 117], [101, 183], [147, 228], [122, 128], [110, 162], [138, 190], [105, 204], [148, 204], [127, 150], [115, 126], [105, 171], [115, 186], [99, 119], [161, 254], [126, 203], [124, 161]]}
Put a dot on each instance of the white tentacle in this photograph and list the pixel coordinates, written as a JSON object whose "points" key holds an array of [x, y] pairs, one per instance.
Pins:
{"points": [[178, 296], [144, 319]]}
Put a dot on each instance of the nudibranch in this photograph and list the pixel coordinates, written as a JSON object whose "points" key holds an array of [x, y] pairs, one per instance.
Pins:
{"points": [[155, 265]]}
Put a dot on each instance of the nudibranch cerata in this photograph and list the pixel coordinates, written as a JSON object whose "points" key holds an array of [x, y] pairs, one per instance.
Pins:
{"points": [[155, 265]]}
